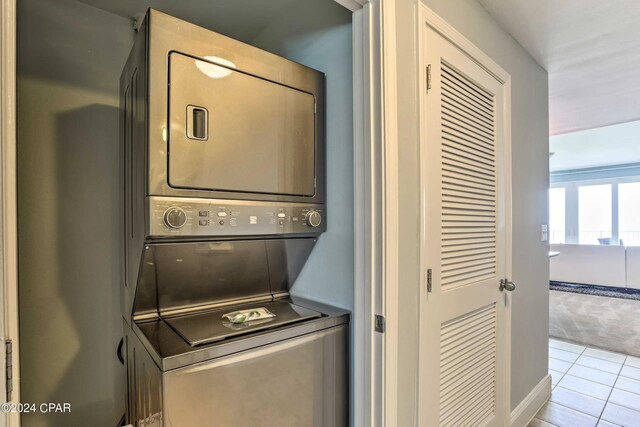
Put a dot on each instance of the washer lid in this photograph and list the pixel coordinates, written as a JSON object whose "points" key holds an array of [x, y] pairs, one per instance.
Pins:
{"points": [[208, 327]]}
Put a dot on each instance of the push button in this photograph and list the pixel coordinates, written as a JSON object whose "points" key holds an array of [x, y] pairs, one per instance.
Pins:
{"points": [[203, 222], [222, 214], [281, 215], [203, 213]]}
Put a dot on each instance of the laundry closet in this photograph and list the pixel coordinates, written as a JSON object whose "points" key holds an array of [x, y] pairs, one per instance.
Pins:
{"points": [[71, 180]]}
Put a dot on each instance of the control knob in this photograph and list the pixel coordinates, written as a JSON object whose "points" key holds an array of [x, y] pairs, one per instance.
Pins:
{"points": [[313, 218], [174, 217]]}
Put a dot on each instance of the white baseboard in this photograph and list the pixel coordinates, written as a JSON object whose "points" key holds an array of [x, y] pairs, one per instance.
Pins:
{"points": [[530, 405]]}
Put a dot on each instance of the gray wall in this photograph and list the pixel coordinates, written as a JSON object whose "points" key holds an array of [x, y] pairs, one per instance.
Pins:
{"points": [[69, 209], [317, 33], [530, 160]]}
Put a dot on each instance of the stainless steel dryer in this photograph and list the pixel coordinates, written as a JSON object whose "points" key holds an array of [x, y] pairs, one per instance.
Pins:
{"points": [[224, 202]]}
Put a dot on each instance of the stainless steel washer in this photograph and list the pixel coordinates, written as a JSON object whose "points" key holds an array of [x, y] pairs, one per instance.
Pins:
{"points": [[224, 202]]}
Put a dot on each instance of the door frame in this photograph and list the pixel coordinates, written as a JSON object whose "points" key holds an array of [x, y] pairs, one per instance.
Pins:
{"points": [[8, 199], [428, 17], [376, 216]]}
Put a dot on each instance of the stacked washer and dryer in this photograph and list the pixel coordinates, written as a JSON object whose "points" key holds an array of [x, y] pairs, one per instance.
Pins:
{"points": [[224, 202]]}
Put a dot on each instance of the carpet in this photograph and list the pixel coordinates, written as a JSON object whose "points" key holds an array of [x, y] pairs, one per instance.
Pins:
{"points": [[597, 321]]}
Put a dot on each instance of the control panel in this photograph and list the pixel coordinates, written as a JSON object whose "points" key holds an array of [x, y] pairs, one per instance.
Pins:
{"points": [[176, 216]]}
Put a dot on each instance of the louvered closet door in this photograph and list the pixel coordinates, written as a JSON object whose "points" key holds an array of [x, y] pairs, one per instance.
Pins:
{"points": [[463, 316]]}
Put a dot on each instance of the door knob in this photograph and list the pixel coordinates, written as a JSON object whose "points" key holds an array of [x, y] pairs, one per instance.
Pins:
{"points": [[506, 285]]}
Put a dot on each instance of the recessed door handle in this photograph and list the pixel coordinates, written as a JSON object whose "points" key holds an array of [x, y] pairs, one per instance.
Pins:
{"points": [[197, 123], [506, 285]]}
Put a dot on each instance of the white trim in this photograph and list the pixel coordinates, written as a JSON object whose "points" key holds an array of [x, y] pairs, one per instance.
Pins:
{"points": [[422, 247], [352, 5], [8, 168], [429, 17], [363, 403], [376, 232], [390, 211], [369, 346], [508, 186], [359, 234], [376, 217], [530, 405]]}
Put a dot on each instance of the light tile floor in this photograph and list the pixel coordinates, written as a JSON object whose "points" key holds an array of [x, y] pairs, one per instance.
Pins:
{"points": [[591, 387]]}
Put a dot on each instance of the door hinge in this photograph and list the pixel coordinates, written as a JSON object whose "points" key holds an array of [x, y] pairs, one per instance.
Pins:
{"points": [[380, 324], [8, 349], [429, 280], [428, 77]]}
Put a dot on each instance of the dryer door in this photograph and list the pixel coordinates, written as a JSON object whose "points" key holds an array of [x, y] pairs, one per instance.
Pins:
{"points": [[232, 131]]}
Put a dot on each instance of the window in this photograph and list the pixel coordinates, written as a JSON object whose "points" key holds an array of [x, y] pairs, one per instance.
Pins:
{"points": [[557, 215], [594, 214], [629, 213]]}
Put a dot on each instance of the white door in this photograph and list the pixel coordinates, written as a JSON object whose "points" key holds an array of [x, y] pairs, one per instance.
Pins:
{"points": [[465, 216]]}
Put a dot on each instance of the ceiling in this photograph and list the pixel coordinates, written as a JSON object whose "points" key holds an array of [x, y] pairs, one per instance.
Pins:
{"points": [[241, 19], [605, 146], [591, 50]]}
